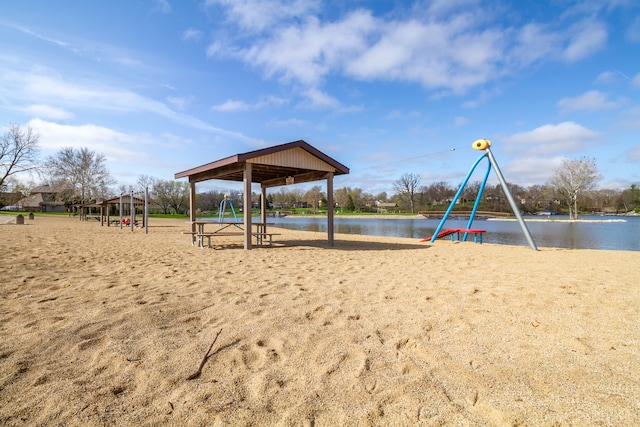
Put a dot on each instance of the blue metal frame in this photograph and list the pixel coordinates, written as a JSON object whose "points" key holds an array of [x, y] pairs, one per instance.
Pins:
{"points": [[455, 198], [223, 208]]}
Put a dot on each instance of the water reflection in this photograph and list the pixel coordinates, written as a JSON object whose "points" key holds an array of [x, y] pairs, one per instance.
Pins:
{"points": [[559, 234]]}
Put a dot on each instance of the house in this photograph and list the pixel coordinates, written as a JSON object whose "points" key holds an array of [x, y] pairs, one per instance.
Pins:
{"points": [[383, 207], [43, 199]]}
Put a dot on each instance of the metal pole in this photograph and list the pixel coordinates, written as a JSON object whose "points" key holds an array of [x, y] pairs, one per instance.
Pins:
{"points": [[512, 202], [120, 211], [132, 213], [146, 210]]}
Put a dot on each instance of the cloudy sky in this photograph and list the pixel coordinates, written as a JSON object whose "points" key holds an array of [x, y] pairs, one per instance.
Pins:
{"points": [[384, 87]]}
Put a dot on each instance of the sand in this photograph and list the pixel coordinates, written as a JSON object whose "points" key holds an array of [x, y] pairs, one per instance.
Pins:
{"points": [[102, 326]]}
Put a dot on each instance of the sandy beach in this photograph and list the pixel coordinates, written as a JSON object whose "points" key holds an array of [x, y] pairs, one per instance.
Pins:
{"points": [[103, 326]]}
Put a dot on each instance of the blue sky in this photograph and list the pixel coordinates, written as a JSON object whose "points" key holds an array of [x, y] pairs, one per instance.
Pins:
{"points": [[384, 87]]}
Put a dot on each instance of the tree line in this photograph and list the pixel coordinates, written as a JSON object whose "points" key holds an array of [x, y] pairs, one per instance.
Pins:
{"points": [[81, 176]]}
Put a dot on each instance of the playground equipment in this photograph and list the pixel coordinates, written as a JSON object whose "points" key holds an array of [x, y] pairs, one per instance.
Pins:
{"points": [[223, 207], [131, 221], [483, 145]]}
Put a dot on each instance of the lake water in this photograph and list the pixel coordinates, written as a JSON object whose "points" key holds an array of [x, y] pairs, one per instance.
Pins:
{"points": [[600, 233]]}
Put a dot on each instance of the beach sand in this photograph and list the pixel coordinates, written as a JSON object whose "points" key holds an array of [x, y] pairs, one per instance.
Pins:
{"points": [[102, 326]]}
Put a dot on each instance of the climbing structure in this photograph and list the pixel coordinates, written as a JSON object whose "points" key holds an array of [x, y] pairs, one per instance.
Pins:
{"points": [[223, 207], [485, 145]]}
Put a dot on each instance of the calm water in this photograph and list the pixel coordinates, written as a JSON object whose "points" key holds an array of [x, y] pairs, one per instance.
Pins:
{"points": [[623, 236]]}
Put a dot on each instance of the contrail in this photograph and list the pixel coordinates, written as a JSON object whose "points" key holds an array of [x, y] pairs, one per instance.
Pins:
{"points": [[626, 77]]}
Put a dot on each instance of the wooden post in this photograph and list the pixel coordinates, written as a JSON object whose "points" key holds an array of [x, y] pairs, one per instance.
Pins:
{"points": [[247, 205], [330, 208], [192, 209], [263, 207]]}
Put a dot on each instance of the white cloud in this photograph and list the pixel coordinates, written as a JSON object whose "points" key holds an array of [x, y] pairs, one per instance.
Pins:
{"points": [[443, 47], [531, 170], [321, 99], [535, 42], [630, 119], [460, 121], [191, 34], [162, 6], [590, 101], [231, 106], [47, 87], [588, 38], [635, 82], [633, 32], [288, 123], [551, 139], [256, 15], [178, 102], [112, 144], [607, 77], [47, 112]]}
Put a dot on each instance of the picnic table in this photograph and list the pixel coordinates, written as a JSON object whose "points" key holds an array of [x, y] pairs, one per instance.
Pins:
{"points": [[228, 229]]}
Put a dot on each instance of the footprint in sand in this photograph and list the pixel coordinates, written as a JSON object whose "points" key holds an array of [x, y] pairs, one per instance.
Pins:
{"points": [[262, 353]]}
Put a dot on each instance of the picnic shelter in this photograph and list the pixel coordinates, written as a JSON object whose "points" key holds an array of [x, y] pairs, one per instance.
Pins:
{"points": [[291, 163]]}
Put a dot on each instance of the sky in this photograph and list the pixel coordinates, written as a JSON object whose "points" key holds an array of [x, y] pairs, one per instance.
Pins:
{"points": [[383, 87]]}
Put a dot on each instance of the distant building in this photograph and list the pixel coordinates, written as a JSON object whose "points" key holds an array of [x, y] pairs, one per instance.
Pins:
{"points": [[383, 207], [43, 199]]}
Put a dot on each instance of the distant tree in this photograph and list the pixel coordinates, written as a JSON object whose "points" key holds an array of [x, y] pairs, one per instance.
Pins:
{"points": [[18, 152], [144, 182], [406, 187], [470, 192], [437, 193], [314, 196], [82, 174], [348, 199], [171, 195], [573, 179], [382, 197]]}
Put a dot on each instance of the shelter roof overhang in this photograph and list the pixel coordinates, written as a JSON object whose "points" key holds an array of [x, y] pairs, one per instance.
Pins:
{"points": [[293, 162]]}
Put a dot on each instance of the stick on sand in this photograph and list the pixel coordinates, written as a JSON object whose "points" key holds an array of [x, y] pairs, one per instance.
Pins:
{"points": [[197, 373]]}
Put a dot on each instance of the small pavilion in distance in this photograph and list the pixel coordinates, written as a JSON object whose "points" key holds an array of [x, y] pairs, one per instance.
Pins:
{"points": [[291, 163]]}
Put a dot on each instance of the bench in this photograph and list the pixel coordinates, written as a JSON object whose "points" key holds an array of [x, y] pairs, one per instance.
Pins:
{"points": [[260, 237], [476, 233], [199, 237]]}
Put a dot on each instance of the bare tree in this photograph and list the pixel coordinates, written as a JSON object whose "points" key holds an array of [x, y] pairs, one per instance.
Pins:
{"points": [[407, 187], [573, 179], [171, 195], [18, 151], [314, 196], [82, 174]]}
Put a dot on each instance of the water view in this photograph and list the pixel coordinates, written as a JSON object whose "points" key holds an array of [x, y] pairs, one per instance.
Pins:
{"points": [[610, 233]]}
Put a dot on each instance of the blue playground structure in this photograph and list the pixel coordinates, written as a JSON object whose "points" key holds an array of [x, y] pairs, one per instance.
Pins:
{"points": [[223, 207], [481, 144]]}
